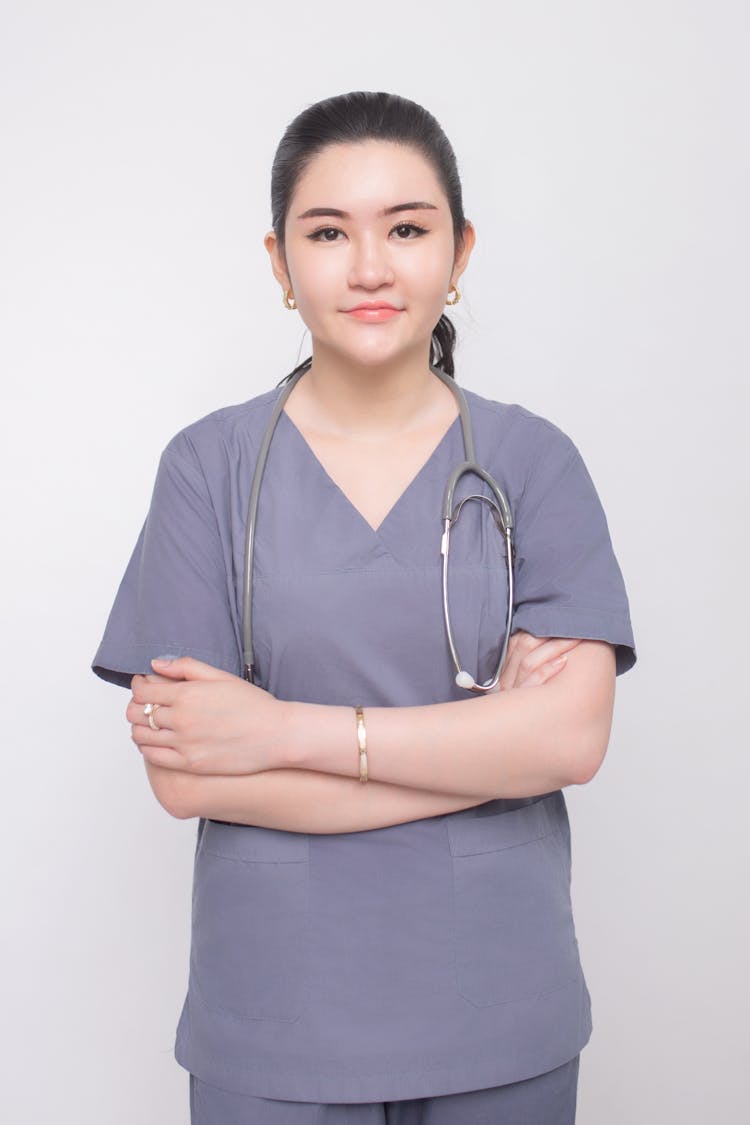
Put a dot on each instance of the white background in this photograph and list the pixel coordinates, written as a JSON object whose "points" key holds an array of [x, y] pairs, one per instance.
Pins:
{"points": [[603, 150]]}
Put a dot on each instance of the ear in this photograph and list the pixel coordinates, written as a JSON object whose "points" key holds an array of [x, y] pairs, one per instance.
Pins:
{"points": [[461, 259], [278, 262]]}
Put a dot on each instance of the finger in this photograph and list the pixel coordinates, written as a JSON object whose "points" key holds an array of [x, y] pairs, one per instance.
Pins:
{"points": [[163, 716], [562, 644], [508, 674], [163, 756], [510, 671], [188, 668], [144, 736], [547, 672], [520, 644], [534, 658], [148, 691]]}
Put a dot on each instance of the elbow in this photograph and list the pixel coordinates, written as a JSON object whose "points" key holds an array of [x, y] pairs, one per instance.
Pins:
{"points": [[178, 811], [589, 752], [586, 768], [589, 710], [172, 789]]}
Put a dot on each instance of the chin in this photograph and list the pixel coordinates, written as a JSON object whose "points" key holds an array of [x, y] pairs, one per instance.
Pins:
{"points": [[376, 347], [375, 359], [381, 354]]}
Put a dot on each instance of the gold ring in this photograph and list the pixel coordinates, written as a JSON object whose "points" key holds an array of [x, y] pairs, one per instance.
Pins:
{"points": [[149, 711]]}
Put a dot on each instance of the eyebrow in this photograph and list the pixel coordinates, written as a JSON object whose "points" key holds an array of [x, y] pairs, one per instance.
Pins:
{"points": [[318, 212]]}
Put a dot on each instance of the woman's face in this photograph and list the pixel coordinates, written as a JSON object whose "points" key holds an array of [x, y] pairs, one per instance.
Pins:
{"points": [[369, 254]]}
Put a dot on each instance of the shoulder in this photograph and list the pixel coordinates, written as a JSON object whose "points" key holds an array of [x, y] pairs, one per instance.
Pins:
{"points": [[223, 435], [513, 435]]}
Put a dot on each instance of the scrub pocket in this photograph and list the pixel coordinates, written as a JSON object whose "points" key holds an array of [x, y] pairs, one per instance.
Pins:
{"points": [[249, 945], [513, 928]]}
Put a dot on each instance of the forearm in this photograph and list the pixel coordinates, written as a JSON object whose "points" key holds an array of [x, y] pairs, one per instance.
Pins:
{"points": [[515, 743], [299, 800]]}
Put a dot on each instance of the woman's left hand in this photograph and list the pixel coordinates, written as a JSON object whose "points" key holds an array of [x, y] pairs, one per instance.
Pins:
{"points": [[210, 722]]}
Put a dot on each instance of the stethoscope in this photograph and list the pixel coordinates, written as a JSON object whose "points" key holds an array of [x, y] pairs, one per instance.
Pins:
{"points": [[497, 503]]}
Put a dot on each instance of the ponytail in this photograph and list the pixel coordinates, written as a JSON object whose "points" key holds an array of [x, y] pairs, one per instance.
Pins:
{"points": [[442, 345]]}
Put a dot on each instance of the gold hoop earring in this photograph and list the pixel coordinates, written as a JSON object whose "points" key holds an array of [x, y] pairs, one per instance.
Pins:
{"points": [[456, 296], [289, 301]]}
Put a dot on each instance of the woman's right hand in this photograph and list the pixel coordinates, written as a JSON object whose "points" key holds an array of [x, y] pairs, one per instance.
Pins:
{"points": [[531, 660]]}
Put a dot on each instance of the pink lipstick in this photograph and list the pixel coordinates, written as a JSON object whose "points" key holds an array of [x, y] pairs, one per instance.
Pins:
{"points": [[374, 311]]}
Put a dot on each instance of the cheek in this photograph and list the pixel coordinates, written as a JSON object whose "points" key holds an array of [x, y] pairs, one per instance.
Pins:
{"points": [[428, 273], [426, 298], [316, 285]]}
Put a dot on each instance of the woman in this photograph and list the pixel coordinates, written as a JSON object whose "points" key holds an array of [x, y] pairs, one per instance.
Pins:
{"points": [[401, 950]]}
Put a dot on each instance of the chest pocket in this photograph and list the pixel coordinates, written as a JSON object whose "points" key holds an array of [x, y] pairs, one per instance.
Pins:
{"points": [[249, 946], [513, 928]]}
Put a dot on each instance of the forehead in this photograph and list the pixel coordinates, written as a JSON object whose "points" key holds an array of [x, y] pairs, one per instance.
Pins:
{"points": [[366, 176]]}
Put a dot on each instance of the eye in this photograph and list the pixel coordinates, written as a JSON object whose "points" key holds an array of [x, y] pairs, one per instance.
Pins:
{"points": [[325, 231], [406, 230]]}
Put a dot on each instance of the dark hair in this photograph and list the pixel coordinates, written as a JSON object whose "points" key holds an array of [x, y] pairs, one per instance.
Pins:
{"points": [[360, 116]]}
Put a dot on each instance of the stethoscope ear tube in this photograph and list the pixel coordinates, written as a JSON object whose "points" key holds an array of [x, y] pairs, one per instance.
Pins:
{"points": [[497, 492], [252, 512]]}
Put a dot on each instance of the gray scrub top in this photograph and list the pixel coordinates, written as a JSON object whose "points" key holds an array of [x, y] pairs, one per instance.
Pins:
{"points": [[416, 960]]}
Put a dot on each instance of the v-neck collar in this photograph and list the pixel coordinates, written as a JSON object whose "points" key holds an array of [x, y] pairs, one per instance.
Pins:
{"points": [[401, 499]]}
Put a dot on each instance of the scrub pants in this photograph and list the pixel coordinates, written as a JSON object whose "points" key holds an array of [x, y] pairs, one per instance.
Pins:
{"points": [[546, 1099]]}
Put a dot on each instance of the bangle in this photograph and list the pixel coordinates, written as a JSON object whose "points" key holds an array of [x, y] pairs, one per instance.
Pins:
{"points": [[362, 743]]}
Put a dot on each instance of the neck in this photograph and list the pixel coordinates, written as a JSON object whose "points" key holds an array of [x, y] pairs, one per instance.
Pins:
{"points": [[370, 401]]}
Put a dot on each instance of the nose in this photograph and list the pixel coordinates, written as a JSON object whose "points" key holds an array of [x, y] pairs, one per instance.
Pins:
{"points": [[370, 265]]}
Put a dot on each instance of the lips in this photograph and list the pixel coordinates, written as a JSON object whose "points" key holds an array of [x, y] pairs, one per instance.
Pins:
{"points": [[374, 311], [373, 305]]}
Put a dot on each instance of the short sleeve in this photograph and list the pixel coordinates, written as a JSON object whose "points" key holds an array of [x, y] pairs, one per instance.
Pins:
{"points": [[568, 580], [174, 598]]}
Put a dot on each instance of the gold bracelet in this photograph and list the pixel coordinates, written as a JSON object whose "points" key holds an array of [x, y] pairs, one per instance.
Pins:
{"points": [[362, 741]]}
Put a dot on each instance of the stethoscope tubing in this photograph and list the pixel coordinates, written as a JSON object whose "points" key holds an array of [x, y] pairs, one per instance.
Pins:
{"points": [[501, 514], [252, 512]]}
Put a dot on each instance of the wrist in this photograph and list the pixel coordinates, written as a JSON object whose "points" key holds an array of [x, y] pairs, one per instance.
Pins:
{"points": [[321, 737], [287, 752], [298, 735]]}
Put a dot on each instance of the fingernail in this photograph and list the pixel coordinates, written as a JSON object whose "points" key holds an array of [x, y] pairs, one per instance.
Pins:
{"points": [[164, 659]]}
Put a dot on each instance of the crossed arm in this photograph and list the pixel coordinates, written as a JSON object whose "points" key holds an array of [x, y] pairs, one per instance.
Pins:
{"points": [[228, 750]]}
